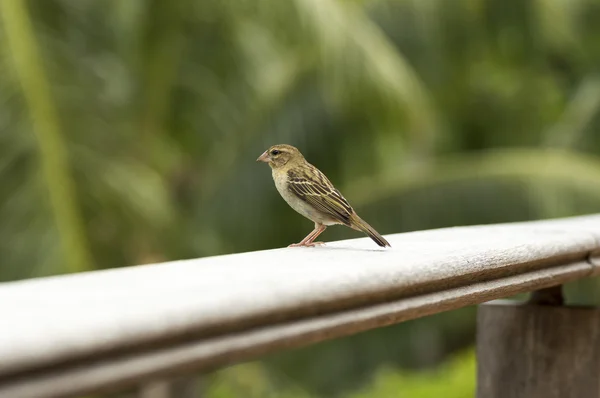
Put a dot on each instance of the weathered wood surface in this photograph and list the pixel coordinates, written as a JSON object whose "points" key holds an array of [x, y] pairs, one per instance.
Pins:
{"points": [[532, 351], [80, 333]]}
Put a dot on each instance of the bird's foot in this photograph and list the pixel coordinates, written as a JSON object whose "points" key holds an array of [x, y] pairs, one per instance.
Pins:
{"points": [[311, 244]]}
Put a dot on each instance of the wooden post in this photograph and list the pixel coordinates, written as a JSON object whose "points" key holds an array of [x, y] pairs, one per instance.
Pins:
{"points": [[537, 351]]}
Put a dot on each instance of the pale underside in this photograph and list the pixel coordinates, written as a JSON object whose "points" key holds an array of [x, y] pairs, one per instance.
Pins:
{"points": [[307, 210]]}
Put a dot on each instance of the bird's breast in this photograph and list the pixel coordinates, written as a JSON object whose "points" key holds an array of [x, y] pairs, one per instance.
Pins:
{"points": [[308, 211]]}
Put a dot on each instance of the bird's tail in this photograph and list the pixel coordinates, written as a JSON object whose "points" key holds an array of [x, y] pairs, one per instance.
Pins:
{"points": [[360, 224]]}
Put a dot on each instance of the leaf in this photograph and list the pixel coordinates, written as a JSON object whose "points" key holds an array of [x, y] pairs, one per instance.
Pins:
{"points": [[53, 154]]}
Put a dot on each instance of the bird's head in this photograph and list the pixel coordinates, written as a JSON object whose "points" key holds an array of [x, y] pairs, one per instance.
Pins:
{"points": [[280, 155]]}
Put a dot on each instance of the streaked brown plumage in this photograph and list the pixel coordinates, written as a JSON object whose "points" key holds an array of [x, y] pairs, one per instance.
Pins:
{"points": [[308, 191]]}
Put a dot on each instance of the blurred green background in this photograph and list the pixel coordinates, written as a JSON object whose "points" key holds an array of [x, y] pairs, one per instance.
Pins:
{"points": [[129, 131]]}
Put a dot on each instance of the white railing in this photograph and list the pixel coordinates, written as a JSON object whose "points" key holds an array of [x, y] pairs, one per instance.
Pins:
{"points": [[90, 332]]}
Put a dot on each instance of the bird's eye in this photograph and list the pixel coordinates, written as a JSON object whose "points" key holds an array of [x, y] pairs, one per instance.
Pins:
{"points": [[275, 152]]}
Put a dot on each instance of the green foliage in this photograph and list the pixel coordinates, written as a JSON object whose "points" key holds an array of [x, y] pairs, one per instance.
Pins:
{"points": [[453, 379], [337, 367], [250, 380]]}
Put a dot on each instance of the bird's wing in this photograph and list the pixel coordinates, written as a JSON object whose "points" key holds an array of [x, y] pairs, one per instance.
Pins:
{"points": [[312, 186]]}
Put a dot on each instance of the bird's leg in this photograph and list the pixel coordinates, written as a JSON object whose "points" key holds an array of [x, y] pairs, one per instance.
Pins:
{"points": [[308, 241], [319, 231], [304, 241]]}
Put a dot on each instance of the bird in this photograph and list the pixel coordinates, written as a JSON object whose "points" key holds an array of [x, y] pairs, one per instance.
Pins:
{"points": [[308, 191]]}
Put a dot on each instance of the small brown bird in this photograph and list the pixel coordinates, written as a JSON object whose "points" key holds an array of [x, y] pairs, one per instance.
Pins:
{"points": [[306, 189]]}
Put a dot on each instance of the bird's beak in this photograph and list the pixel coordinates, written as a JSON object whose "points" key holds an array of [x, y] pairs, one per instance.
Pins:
{"points": [[263, 158]]}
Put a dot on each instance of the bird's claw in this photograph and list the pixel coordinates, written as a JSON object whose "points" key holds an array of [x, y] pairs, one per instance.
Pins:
{"points": [[311, 244]]}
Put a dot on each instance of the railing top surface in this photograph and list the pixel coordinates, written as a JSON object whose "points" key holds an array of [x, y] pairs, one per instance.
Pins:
{"points": [[59, 319]]}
